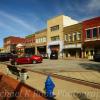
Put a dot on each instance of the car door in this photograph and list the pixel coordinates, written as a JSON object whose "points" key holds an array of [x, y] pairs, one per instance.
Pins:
{"points": [[20, 60], [27, 59]]}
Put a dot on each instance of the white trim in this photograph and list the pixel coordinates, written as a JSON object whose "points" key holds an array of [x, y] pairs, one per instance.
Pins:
{"points": [[19, 45], [71, 46], [92, 27], [92, 39]]}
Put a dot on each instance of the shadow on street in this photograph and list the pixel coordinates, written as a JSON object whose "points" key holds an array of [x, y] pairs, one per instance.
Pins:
{"points": [[91, 66], [81, 96]]}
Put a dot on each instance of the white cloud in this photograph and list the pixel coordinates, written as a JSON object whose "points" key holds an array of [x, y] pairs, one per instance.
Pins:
{"points": [[94, 5], [17, 20], [5, 26]]}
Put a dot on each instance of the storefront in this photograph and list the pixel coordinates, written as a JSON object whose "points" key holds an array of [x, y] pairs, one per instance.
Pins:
{"points": [[73, 50], [56, 46], [91, 37], [41, 50]]}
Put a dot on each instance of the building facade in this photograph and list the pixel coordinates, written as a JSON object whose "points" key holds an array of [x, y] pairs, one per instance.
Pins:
{"points": [[30, 44], [55, 38], [11, 42], [91, 37], [63, 35], [73, 41], [41, 42]]}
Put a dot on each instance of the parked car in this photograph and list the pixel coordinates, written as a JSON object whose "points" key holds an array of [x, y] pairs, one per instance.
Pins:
{"points": [[6, 56], [44, 55], [27, 60], [54, 55], [96, 56]]}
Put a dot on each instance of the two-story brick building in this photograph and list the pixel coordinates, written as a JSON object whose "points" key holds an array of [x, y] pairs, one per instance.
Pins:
{"points": [[91, 37], [30, 44], [73, 40], [41, 42], [11, 42]]}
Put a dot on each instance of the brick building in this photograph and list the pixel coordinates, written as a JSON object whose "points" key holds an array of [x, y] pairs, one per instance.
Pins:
{"points": [[30, 44], [41, 42], [73, 40], [91, 37], [11, 42], [63, 35]]}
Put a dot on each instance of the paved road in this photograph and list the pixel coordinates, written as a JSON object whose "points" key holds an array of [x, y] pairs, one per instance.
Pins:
{"points": [[80, 69], [65, 89], [65, 65]]}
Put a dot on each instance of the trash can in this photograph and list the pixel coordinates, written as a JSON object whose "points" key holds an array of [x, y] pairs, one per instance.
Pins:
{"points": [[23, 75]]}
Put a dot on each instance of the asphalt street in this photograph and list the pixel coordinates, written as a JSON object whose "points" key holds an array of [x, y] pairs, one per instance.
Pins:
{"points": [[64, 65]]}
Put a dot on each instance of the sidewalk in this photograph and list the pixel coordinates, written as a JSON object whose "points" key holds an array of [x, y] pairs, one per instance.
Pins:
{"points": [[63, 90]]}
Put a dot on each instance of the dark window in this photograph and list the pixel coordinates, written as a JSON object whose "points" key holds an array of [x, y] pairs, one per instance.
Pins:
{"points": [[95, 32], [88, 33], [54, 28], [54, 38], [99, 31]]}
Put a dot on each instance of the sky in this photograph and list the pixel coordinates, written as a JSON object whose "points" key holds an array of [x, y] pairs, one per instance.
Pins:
{"points": [[23, 17]]}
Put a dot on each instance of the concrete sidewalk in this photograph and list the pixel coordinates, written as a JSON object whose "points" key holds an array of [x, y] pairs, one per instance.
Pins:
{"points": [[63, 90]]}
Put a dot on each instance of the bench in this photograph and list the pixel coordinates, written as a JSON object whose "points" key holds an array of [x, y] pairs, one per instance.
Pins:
{"points": [[13, 69]]}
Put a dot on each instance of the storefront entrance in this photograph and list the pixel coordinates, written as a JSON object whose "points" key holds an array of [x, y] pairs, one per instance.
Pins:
{"points": [[54, 51], [41, 49]]}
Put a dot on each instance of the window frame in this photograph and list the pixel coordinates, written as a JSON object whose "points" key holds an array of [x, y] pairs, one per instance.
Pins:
{"points": [[78, 37], [66, 37], [93, 33], [55, 38], [86, 34], [54, 28]]}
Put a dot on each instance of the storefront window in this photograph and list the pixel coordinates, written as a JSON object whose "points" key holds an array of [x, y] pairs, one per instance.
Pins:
{"points": [[78, 36], [95, 32], [88, 33], [44, 39]]}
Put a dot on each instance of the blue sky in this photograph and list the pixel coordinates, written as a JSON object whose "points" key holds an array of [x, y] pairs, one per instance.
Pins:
{"points": [[23, 17]]}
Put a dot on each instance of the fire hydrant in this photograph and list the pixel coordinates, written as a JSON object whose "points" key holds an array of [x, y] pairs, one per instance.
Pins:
{"points": [[49, 87]]}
